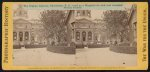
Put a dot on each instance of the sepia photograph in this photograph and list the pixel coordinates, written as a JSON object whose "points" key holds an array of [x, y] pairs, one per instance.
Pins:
{"points": [[79, 37]]}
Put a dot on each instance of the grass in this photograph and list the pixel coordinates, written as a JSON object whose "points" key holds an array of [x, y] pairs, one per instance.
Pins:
{"points": [[97, 45], [28, 46], [124, 49], [62, 49], [35, 46]]}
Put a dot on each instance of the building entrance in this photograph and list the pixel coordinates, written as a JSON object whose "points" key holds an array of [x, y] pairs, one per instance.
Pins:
{"points": [[20, 36], [83, 36]]}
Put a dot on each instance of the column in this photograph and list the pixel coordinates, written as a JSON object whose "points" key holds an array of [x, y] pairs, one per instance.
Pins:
{"points": [[29, 37], [80, 35], [92, 36], [86, 36], [23, 37], [17, 36]]}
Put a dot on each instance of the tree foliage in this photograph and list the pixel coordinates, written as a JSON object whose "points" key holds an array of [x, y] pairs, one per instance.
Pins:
{"points": [[116, 23], [54, 25]]}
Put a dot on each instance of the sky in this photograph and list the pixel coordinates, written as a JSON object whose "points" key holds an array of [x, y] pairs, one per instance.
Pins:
{"points": [[95, 14]]}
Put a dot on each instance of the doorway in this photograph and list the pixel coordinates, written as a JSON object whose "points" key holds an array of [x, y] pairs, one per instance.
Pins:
{"points": [[83, 36], [20, 36]]}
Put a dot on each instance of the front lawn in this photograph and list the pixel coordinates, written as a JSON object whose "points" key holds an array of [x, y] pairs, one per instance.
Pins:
{"points": [[124, 49], [62, 49]]}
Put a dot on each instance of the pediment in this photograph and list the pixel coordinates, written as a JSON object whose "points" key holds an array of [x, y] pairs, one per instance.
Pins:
{"points": [[84, 21], [21, 21]]}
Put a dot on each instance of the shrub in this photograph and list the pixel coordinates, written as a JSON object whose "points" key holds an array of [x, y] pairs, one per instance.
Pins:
{"points": [[17, 46], [79, 46], [62, 49], [97, 45], [53, 43], [124, 49], [134, 44], [124, 44], [35, 46], [62, 44], [72, 44]]}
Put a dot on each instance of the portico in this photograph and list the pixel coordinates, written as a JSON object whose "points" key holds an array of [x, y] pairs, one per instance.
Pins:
{"points": [[83, 31], [83, 36]]}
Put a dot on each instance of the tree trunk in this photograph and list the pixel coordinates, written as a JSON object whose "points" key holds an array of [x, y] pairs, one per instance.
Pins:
{"points": [[68, 27]]}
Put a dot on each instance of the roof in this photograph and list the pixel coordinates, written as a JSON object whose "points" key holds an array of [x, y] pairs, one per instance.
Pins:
{"points": [[84, 20], [21, 21]]}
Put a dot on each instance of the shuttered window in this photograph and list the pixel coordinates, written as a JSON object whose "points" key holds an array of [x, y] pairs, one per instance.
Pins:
{"points": [[26, 35], [77, 35], [89, 35], [15, 35]]}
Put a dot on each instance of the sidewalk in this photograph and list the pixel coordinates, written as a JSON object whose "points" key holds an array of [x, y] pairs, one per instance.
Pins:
{"points": [[105, 57], [41, 57], [83, 57]]}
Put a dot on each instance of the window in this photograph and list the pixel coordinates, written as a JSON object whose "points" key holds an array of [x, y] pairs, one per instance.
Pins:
{"points": [[15, 35], [78, 13], [84, 35], [20, 36], [96, 38], [83, 13], [32, 38], [89, 14], [26, 35], [89, 35], [77, 35]]}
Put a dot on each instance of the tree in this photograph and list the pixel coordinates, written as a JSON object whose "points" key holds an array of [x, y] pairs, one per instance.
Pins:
{"points": [[55, 28], [116, 23]]}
